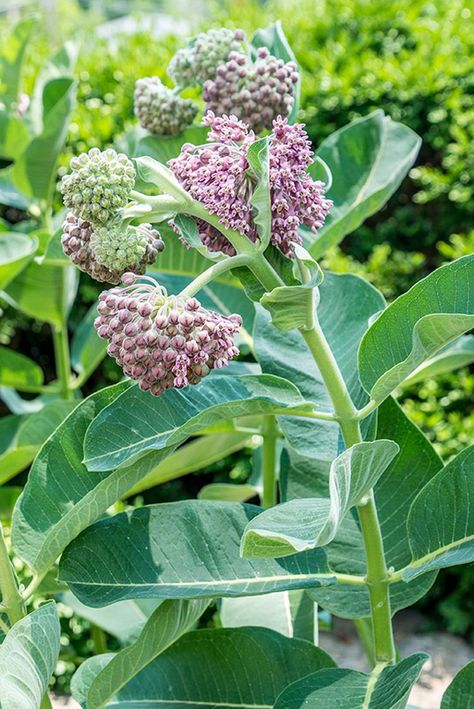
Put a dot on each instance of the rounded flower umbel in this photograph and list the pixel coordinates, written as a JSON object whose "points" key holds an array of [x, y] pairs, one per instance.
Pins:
{"points": [[159, 110], [163, 341], [197, 63], [100, 184], [219, 175], [256, 92], [107, 252]]}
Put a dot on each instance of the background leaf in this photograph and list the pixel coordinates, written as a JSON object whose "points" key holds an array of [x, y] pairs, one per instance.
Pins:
{"points": [[28, 657], [16, 250], [12, 58], [368, 159], [226, 667], [187, 549], [87, 349], [433, 312], [459, 694], [18, 371]]}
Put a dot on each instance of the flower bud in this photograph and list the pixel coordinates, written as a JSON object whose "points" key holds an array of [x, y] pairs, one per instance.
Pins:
{"points": [[99, 184], [159, 110], [199, 62]]}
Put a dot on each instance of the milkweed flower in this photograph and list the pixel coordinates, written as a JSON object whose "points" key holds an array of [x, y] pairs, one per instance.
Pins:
{"points": [[218, 174], [163, 341], [256, 92], [107, 252], [195, 64], [99, 184], [159, 110]]}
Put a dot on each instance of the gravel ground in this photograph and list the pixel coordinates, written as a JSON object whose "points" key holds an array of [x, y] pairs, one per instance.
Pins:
{"points": [[448, 654]]}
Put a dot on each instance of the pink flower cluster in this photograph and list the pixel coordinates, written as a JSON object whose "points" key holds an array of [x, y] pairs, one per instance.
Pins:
{"points": [[162, 340], [219, 175]]}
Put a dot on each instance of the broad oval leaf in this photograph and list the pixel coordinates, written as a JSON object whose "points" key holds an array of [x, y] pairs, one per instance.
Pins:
{"points": [[28, 656], [187, 549], [459, 694], [16, 250], [385, 688], [165, 147], [18, 371], [166, 624], [245, 667], [447, 537], [307, 523], [368, 159], [433, 312], [137, 423], [458, 354]]}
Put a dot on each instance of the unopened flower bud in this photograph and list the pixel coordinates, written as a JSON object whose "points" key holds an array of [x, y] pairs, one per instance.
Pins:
{"points": [[199, 62], [159, 110]]}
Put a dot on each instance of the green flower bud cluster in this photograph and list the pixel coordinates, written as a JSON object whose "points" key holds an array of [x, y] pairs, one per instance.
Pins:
{"points": [[159, 110], [197, 63], [126, 249], [99, 184]]}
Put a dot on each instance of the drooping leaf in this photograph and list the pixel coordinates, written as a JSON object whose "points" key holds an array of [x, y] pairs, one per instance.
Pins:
{"points": [[124, 620], [124, 432], [415, 465], [19, 371], [22, 436], [187, 549], [43, 292], [458, 354], [307, 523], [385, 688], [447, 537], [291, 307], [245, 667], [416, 325], [16, 250], [168, 622], [28, 656], [87, 349], [191, 457], [459, 694], [368, 159]]}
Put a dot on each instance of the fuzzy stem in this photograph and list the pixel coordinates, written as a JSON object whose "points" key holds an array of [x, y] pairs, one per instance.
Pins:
{"points": [[11, 597], [213, 272], [269, 460], [62, 357]]}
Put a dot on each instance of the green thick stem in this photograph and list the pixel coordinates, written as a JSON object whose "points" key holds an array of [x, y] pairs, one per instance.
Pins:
{"points": [[213, 272], [269, 460], [377, 575], [11, 598], [62, 358]]}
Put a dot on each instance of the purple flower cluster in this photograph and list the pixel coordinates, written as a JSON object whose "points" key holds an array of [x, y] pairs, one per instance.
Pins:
{"points": [[162, 340], [218, 175], [76, 242], [255, 92]]}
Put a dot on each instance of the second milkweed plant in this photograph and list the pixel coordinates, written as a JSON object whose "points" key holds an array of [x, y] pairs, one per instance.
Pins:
{"points": [[230, 335]]}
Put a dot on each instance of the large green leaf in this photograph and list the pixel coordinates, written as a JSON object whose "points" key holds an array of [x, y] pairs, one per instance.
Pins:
{"points": [[187, 549], [433, 312], [177, 259], [385, 688], [59, 65], [22, 436], [43, 292], [306, 523], [258, 157], [459, 694], [16, 250], [246, 667], [447, 537], [168, 622], [136, 423], [347, 303], [196, 455], [455, 355], [34, 172], [124, 620], [165, 147], [368, 159], [415, 465], [28, 657], [12, 58], [18, 371]]}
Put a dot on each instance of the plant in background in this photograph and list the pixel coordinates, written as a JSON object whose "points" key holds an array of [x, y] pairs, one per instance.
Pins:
{"points": [[346, 483]]}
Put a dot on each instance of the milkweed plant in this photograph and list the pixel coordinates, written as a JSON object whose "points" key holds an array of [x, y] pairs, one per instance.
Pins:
{"points": [[204, 226]]}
